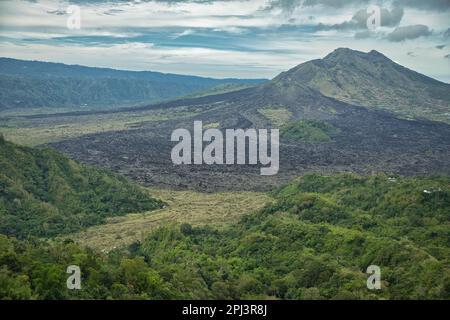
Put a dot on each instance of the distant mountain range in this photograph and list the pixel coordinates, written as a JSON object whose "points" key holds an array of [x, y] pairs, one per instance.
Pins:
{"points": [[34, 84], [313, 90]]}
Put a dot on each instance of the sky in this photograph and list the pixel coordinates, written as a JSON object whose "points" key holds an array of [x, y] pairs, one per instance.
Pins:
{"points": [[227, 38]]}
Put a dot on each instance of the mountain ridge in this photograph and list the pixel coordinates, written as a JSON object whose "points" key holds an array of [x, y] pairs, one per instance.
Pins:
{"points": [[34, 84], [9, 66], [370, 80]]}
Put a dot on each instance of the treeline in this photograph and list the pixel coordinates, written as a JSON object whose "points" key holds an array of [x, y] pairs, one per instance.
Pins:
{"points": [[43, 193], [314, 242]]}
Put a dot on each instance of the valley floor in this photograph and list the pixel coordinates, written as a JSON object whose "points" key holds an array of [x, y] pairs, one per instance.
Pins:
{"points": [[195, 208]]}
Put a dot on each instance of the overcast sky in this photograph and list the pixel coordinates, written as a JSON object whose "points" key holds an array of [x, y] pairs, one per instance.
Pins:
{"points": [[228, 38]]}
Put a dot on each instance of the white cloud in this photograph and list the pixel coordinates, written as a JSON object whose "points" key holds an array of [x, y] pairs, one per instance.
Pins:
{"points": [[140, 56], [182, 34], [251, 47]]}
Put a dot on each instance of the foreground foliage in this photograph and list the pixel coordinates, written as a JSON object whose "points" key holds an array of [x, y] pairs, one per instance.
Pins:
{"points": [[314, 242], [43, 193]]}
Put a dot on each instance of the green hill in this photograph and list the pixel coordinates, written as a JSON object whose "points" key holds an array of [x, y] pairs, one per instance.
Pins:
{"points": [[43, 193]]}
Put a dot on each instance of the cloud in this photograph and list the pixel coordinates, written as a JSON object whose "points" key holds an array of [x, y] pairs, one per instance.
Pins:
{"points": [[440, 47], [389, 18], [334, 3], [57, 12], [287, 6], [145, 56], [363, 34], [447, 56], [447, 33], [290, 5], [113, 11], [409, 32], [436, 5], [182, 34], [229, 38]]}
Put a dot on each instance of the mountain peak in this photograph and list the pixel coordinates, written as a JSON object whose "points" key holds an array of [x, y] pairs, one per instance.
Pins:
{"points": [[375, 53], [370, 79], [346, 53], [339, 52]]}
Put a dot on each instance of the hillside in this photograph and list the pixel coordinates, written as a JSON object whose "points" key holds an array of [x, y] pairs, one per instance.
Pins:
{"points": [[43, 193], [372, 80], [314, 242], [33, 84]]}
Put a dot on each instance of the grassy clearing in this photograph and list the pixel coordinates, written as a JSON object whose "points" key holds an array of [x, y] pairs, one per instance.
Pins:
{"points": [[223, 88], [195, 208], [309, 131], [278, 116], [36, 131]]}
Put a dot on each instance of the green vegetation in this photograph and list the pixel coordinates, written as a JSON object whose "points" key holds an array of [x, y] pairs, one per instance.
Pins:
{"points": [[33, 131], [222, 88], [309, 131], [277, 116], [217, 210], [43, 193], [314, 241]]}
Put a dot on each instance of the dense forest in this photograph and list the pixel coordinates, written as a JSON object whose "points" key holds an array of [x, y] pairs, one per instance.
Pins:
{"points": [[43, 193], [314, 241]]}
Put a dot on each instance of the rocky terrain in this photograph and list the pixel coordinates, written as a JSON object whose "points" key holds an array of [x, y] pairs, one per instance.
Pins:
{"points": [[368, 140]]}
